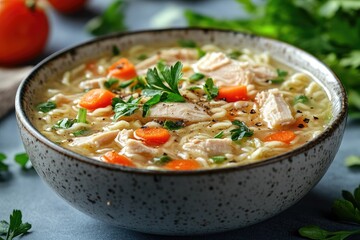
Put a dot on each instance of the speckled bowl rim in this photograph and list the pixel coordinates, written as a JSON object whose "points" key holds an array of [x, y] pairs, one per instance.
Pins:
{"points": [[286, 156]]}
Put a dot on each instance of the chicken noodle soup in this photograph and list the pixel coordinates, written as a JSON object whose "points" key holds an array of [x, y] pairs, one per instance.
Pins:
{"points": [[182, 107]]}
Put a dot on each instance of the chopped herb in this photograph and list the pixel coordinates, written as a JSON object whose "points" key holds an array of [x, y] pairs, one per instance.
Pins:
{"points": [[218, 159], [109, 83], [162, 159], [301, 99], [81, 132], [140, 84], [3, 166], [352, 161], [23, 160], [210, 89], [46, 106], [194, 88], [196, 77], [235, 54], [280, 78], [64, 123], [170, 125], [81, 117], [122, 108], [149, 103], [187, 43], [142, 57], [15, 228], [200, 52], [112, 20], [115, 51], [240, 132], [219, 135], [127, 83]]}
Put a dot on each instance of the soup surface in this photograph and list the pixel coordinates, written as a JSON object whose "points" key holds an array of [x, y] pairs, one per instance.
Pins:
{"points": [[182, 107]]}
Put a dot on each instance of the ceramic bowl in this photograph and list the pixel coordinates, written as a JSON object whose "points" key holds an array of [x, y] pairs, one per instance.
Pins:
{"points": [[180, 203]]}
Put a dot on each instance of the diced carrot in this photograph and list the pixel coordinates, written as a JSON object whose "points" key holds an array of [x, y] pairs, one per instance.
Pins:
{"points": [[122, 69], [233, 93], [182, 164], [96, 98], [282, 136], [152, 136], [115, 158]]}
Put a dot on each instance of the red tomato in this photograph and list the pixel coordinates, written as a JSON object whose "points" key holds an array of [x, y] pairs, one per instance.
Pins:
{"points": [[67, 6], [24, 30]]}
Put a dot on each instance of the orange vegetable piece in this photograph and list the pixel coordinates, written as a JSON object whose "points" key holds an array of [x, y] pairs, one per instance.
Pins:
{"points": [[152, 136], [96, 98], [282, 136], [182, 164], [300, 123], [115, 158], [122, 69], [233, 93]]}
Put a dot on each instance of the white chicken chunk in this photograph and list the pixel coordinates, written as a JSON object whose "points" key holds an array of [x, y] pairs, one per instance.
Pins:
{"points": [[274, 109], [96, 140], [183, 111]]}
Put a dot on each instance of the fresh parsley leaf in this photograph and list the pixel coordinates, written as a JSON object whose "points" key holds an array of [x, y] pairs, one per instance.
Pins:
{"points": [[210, 89], [235, 54], [64, 123], [352, 161], [15, 228], [109, 83], [112, 20], [149, 103], [115, 51], [127, 83], [81, 117], [194, 88], [348, 208], [187, 43], [140, 84], [170, 125], [142, 57], [280, 78], [23, 160], [162, 159], [200, 52], [315, 232], [219, 135], [218, 159], [196, 77], [122, 108], [3, 166], [241, 131], [301, 99], [46, 106]]}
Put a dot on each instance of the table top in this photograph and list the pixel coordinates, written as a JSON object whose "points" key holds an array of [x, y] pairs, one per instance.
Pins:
{"points": [[52, 218]]}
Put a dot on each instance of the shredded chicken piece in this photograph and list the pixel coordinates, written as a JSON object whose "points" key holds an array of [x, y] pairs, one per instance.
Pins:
{"points": [[184, 111], [96, 140], [274, 109], [92, 83]]}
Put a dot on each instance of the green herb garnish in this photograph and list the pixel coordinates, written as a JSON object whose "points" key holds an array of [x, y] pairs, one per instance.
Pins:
{"points": [[280, 78], [122, 108], [3, 166], [64, 123], [162, 159], [127, 83], [109, 83], [240, 132], [210, 89], [140, 84], [196, 77], [112, 20], [352, 161], [301, 99], [235, 54], [194, 88], [81, 132], [23, 160], [218, 159], [142, 57], [46, 106], [219, 135], [115, 51], [81, 117], [170, 125], [15, 228]]}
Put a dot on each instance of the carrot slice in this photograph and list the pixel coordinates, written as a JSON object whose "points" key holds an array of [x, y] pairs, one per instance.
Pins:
{"points": [[282, 136], [96, 98], [152, 136], [233, 93], [122, 69], [182, 164], [115, 158]]}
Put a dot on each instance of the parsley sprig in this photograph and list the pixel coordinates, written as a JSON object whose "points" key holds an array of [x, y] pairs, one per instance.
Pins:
{"points": [[15, 228], [3, 166], [210, 89], [347, 210], [122, 108], [241, 131]]}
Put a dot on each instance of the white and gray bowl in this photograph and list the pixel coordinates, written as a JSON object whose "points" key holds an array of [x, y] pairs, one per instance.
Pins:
{"points": [[180, 203]]}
